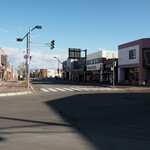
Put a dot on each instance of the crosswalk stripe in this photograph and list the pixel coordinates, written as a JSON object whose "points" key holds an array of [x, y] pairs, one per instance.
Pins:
{"points": [[60, 89], [116, 89], [79, 89], [52, 89], [94, 89], [104, 89], [86, 89], [68, 89], [44, 90]]}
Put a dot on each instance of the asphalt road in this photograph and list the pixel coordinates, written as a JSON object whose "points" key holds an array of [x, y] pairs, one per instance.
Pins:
{"points": [[79, 119]]}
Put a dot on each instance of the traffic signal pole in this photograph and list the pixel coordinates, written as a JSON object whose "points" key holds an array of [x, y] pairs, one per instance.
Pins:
{"points": [[28, 75], [85, 65], [113, 71], [27, 61], [85, 68], [28, 51]]}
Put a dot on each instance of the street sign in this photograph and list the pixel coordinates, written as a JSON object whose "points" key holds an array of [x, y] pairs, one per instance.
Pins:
{"points": [[26, 56]]}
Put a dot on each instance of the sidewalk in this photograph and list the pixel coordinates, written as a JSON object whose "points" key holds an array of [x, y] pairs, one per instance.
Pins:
{"points": [[126, 87], [13, 87]]}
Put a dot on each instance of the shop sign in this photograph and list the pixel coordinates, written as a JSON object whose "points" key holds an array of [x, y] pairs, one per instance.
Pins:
{"points": [[91, 67]]}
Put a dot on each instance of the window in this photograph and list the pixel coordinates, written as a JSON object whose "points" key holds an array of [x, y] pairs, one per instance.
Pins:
{"points": [[146, 54], [95, 61], [132, 54]]}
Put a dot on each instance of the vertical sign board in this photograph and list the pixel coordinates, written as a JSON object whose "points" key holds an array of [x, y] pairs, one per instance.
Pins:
{"points": [[3, 60], [74, 53]]}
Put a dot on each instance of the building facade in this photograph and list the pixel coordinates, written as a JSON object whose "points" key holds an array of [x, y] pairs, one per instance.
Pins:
{"points": [[78, 69], [6, 68], [68, 67], [110, 69], [134, 62], [51, 73], [95, 64], [97, 67], [3, 64]]}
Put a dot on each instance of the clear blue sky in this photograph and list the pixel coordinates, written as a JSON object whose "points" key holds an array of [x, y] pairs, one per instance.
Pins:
{"points": [[85, 24]]}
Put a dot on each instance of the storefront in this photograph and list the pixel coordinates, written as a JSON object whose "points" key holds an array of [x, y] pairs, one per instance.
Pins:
{"points": [[1, 73], [134, 62], [110, 68], [95, 65]]}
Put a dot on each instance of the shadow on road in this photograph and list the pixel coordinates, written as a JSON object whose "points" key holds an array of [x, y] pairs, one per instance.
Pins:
{"points": [[35, 123], [2, 139], [110, 121]]}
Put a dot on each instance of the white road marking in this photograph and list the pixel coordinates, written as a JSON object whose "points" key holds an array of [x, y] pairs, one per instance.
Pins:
{"points": [[68, 89], [44, 90], [60, 89], [52, 89], [71, 89], [76, 89], [86, 89]]}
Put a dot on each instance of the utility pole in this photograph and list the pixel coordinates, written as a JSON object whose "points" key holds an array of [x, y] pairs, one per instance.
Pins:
{"points": [[27, 62], [58, 69], [85, 71], [58, 64], [28, 51], [113, 71]]}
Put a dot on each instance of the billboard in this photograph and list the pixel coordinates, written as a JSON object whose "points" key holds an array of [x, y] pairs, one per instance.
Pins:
{"points": [[74, 53]]}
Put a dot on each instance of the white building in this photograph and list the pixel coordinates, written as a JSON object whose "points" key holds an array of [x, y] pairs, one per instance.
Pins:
{"points": [[51, 73], [95, 63]]}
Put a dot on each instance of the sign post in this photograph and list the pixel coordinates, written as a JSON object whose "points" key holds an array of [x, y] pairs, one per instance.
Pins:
{"points": [[26, 57]]}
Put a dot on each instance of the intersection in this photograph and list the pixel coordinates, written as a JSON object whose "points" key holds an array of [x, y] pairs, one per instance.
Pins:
{"points": [[84, 118]]}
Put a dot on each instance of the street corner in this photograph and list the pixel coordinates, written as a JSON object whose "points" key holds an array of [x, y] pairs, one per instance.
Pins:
{"points": [[15, 93], [13, 87]]}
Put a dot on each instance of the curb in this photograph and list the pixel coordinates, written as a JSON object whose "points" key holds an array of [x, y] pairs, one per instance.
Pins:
{"points": [[15, 93]]}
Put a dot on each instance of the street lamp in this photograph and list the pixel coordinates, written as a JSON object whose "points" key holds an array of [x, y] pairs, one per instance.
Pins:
{"points": [[38, 27], [58, 64], [28, 50], [19, 40]]}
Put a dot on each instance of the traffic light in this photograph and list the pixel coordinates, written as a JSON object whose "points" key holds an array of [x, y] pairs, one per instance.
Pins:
{"points": [[52, 44]]}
